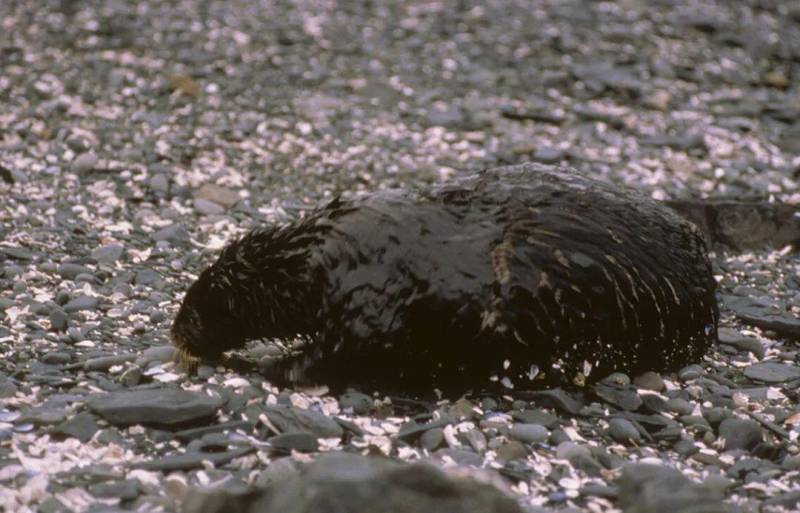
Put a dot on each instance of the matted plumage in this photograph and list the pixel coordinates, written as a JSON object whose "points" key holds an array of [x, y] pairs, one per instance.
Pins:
{"points": [[517, 276]]}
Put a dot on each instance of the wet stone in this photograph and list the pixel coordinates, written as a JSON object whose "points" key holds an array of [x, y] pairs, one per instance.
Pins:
{"points": [[361, 404], [81, 303], [625, 397], [56, 358], [623, 431], [651, 488], [535, 417], [147, 277], [300, 441], [772, 372], [730, 337], [126, 490], [109, 253], [70, 271], [679, 406], [208, 208], [548, 155], [84, 163], [192, 460], [649, 381], [103, 363], [159, 354], [512, 450], [165, 407], [558, 398], [356, 484], [81, 426], [691, 372], [173, 233], [740, 433], [432, 439], [291, 420], [528, 433]]}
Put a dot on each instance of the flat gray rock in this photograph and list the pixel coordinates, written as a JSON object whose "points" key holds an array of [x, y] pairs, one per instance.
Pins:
{"points": [[655, 489], [340, 482], [772, 372], [163, 407], [294, 420]]}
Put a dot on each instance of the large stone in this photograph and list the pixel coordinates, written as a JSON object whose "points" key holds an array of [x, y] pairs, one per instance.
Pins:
{"points": [[162, 407], [655, 489], [296, 420], [359, 484]]}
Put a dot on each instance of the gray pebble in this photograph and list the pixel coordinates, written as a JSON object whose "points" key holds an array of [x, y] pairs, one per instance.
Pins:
{"points": [[109, 253], [740, 433], [81, 303], [528, 433], [172, 233], [208, 208], [623, 431], [70, 271], [360, 403], [59, 320], [432, 439], [84, 163], [691, 372], [159, 183], [548, 155], [103, 363], [56, 358]]}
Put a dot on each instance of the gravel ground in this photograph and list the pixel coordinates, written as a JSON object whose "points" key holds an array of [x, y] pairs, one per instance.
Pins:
{"points": [[136, 138]]}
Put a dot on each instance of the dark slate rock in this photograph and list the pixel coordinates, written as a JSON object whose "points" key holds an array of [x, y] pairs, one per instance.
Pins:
{"points": [[361, 404], [731, 337], [70, 271], [300, 441], [126, 490], [555, 398], [233, 425], [653, 403], [512, 450], [163, 407], [691, 372], [789, 500], [625, 397], [548, 155], [81, 303], [412, 429], [359, 484], [172, 233], [103, 363], [56, 358], [772, 372], [677, 142], [656, 489], [81, 426], [763, 316], [147, 277], [740, 433], [292, 420], [432, 439], [649, 381], [59, 320], [109, 253], [679, 406], [528, 433], [540, 417], [461, 456], [623, 431], [191, 460]]}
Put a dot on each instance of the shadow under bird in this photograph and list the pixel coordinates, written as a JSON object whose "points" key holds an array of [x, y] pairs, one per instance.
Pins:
{"points": [[515, 277]]}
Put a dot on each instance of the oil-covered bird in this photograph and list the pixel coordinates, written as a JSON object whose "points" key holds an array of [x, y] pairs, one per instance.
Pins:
{"points": [[516, 277]]}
